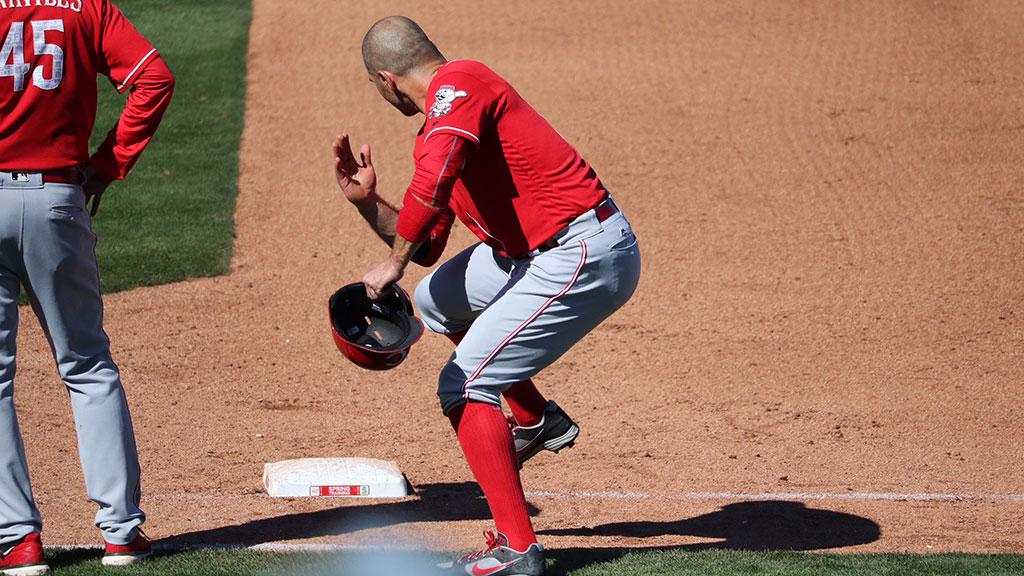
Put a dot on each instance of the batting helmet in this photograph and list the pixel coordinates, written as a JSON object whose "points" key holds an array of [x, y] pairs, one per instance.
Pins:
{"points": [[374, 334]]}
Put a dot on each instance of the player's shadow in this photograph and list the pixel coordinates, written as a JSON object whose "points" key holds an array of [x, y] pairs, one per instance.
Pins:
{"points": [[754, 525], [434, 503]]}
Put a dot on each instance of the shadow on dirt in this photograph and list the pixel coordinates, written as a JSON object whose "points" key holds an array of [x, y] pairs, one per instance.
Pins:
{"points": [[435, 503], [758, 525], [753, 525]]}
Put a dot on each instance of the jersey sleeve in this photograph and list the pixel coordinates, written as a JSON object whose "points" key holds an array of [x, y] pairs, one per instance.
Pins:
{"points": [[439, 163], [142, 113], [461, 105], [124, 52]]}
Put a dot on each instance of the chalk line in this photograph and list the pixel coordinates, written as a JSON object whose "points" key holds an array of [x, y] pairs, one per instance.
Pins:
{"points": [[264, 547], [762, 496], [673, 496]]}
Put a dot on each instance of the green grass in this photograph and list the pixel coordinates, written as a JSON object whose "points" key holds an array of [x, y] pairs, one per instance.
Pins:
{"points": [[173, 217], [576, 562], [732, 563]]}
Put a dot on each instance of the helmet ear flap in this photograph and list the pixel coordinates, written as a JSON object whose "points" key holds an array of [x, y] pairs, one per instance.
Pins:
{"points": [[404, 298]]}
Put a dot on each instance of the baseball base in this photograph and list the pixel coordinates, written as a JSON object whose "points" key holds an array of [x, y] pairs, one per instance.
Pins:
{"points": [[337, 477]]}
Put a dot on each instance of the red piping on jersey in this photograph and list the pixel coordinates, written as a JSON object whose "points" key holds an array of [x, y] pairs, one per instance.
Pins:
{"points": [[489, 235], [575, 276], [440, 176], [128, 79], [454, 129]]}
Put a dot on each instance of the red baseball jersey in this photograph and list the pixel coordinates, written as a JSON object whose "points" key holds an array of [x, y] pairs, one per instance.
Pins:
{"points": [[51, 52], [515, 185]]}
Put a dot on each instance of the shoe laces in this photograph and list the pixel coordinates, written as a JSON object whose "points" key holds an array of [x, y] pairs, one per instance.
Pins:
{"points": [[492, 543], [512, 424]]}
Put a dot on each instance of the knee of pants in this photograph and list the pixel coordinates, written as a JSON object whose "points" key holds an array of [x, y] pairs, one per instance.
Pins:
{"points": [[430, 309], [97, 372], [452, 389], [7, 371], [425, 305]]}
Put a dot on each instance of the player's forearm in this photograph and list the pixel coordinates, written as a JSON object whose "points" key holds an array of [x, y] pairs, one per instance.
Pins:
{"points": [[402, 251], [391, 270], [150, 96], [381, 215]]}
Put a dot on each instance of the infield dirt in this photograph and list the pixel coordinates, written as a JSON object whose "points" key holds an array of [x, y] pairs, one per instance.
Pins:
{"points": [[830, 206]]}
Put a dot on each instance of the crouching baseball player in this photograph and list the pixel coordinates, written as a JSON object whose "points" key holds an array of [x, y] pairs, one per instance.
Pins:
{"points": [[50, 55], [555, 258]]}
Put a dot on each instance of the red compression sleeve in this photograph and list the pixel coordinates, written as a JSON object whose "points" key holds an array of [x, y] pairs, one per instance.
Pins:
{"points": [[430, 251], [427, 198], [147, 102]]}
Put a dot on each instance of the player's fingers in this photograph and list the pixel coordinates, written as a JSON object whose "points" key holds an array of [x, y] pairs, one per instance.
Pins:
{"points": [[370, 283], [95, 203], [364, 152], [344, 165], [344, 153], [339, 169]]}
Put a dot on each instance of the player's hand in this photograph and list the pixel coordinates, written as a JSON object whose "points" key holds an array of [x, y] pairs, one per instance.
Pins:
{"points": [[381, 277], [358, 180], [93, 187]]}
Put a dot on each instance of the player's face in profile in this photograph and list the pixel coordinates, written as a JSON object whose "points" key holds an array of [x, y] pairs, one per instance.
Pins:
{"points": [[395, 97]]}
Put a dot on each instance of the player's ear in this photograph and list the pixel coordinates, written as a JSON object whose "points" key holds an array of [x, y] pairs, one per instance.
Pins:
{"points": [[388, 79]]}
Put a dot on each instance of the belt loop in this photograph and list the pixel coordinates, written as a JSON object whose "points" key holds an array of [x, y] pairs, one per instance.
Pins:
{"points": [[606, 209]]}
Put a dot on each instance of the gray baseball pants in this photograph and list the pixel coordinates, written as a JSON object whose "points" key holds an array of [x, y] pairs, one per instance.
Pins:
{"points": [[522, 314], [47, 245]]}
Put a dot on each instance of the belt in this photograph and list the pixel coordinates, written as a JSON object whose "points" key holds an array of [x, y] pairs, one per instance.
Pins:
{"points": [[61, 176], [603, 211]]}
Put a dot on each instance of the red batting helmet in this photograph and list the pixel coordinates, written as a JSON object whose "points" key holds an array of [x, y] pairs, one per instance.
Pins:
{"points": [[374, 334]]}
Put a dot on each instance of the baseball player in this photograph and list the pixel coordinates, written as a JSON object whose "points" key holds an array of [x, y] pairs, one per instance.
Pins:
{"points": [[50, 54], [555, 258]]}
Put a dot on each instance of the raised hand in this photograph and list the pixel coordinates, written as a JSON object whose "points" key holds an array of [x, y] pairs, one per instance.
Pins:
{"points": [[358, 180]]}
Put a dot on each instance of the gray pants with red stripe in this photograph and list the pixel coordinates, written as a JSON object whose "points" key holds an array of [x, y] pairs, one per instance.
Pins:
{"points": [[47, 244], [522, 314]]}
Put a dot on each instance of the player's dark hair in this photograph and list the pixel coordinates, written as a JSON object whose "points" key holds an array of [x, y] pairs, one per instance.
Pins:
{"points": [[397, 44]]}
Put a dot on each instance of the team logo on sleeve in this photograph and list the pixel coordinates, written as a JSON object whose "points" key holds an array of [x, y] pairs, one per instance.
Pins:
{"points": [[443, 99]]}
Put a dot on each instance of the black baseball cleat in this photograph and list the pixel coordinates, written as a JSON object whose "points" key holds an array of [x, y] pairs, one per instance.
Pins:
{"points": [[555, 431], [498, 560]]}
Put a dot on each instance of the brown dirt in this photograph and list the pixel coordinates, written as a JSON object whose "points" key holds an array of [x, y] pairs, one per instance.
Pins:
{"points": [[830, 206]]}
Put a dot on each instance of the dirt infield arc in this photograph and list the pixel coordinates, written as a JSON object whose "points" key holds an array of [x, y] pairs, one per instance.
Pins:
{"points": [[824, 353]]}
